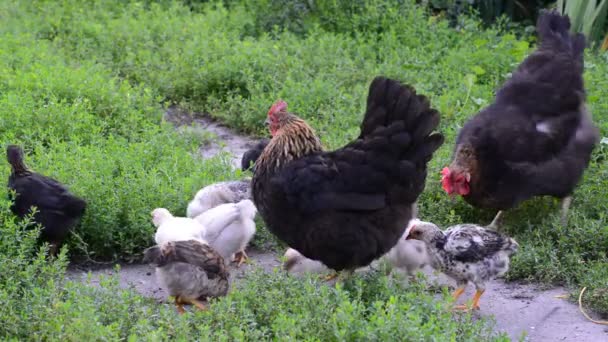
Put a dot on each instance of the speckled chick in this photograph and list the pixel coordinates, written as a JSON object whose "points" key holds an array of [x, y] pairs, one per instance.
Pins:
{"points": [[190, 270], [466, 253]]}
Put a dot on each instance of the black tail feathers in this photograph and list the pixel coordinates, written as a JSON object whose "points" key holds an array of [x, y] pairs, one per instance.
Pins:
{"points": [[554, 31]]}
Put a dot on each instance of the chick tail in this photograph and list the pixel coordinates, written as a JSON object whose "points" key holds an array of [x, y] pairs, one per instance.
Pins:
{"points": [[247, 209], [397, 135]]}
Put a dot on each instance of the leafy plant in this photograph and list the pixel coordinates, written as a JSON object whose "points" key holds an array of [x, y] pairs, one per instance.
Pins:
{"points": [[587, 17]]}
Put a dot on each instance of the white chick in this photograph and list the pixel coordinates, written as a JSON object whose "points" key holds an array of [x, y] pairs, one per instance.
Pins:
{"points": [[218, 193], [296, 263], [171, 228], [229, 228], [408, 255]]}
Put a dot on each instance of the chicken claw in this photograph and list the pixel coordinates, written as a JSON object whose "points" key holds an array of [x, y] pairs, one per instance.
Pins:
{"points": [[196, 303], [330, 277], [240, 258], [180, 301], [461, 308], [474, 305], [180, 305]]}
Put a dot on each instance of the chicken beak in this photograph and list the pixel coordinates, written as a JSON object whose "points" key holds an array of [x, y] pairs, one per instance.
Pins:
{"points": [[267, 122]]}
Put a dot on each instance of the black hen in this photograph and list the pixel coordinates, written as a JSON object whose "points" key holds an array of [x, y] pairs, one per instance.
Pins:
{"points": [[537, 137], [57, 209], [347, 207]]}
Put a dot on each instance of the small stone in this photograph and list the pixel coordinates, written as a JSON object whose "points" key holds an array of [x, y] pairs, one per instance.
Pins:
{"points": [[148, 273]]}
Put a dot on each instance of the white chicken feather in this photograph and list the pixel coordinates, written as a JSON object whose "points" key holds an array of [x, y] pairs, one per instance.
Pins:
{"points": [[229, 227], [218, 193], [408, 255], [171, 228]]}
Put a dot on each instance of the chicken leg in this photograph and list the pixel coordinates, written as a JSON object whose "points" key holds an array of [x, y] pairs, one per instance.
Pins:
{"points": [[566, 201], [333, 275], [180, 301], [53, 249], [343, 276], [179, 305], [497, 221], [478, 293], [240, 257], [457, 293], [194, 302]]}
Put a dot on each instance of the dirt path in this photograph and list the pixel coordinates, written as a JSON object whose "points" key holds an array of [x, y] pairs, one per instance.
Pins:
{"points": [[519, 309]]}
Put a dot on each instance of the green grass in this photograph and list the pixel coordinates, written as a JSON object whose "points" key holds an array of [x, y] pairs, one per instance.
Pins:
{"points": [[39, 304], [83, 86]]}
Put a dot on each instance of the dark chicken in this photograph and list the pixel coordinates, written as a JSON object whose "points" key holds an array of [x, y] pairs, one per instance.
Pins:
{"points": [[249, 157], [57, 209], [537, 137], [350, 206]]}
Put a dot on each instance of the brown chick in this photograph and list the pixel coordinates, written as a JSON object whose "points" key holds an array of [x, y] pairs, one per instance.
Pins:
{"points": [[190, 270]]}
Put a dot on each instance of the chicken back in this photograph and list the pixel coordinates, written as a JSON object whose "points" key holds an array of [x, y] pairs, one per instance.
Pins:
{"points": [[350, 206], [537, 137]]}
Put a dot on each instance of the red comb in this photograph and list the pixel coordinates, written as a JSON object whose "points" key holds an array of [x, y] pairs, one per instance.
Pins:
{"points": [[446, 171], [278, 106]]}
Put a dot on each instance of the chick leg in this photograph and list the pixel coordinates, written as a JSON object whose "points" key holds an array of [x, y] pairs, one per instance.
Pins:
{"points": [[53, 249], [478, 293], [497, 221], [457, 293], [566, 201], [179, 305], [194, 302], [240, 257], [329, 277], [343, 276]]}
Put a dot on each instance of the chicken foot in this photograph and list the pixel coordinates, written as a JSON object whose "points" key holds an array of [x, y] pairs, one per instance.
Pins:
{"points": [[457, 293], [474, 305], [329, 277], [240, 257], [180, 301], [566, 201], [343, 276], [179, 305], [53, 249], [478, 294]]}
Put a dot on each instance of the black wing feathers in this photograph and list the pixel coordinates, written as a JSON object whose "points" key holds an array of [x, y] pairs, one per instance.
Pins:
{"points": [[385, 165]]}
